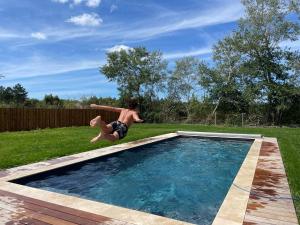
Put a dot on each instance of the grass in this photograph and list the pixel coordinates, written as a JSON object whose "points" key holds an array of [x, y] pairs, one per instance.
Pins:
{"points": [[19, 148]]}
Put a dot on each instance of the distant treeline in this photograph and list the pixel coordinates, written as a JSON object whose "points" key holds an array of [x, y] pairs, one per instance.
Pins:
{"points": [[162, 110], [17, 97]]}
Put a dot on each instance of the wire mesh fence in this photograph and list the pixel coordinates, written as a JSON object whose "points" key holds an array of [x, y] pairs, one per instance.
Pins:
{"points": [[232, 119]]}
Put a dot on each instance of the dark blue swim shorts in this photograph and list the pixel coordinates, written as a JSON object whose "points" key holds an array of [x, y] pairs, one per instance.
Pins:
{"points": [[120, 127]]}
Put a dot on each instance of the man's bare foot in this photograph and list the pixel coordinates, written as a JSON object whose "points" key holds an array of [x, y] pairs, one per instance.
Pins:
{"points": [[96, 121], [97, 138]]}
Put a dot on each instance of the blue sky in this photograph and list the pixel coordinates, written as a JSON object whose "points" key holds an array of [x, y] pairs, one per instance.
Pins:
{"points": [[57, 46]]}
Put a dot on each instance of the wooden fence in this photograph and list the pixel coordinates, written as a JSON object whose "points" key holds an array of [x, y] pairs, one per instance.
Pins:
{"points": [[17, 119]]}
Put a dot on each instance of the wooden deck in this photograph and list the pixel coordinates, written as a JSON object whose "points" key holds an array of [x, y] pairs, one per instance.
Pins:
{"points": [[270, 199], [17, 209]]}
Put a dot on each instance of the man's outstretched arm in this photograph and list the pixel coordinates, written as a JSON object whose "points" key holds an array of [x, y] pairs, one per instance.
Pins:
{"points": [[137, 118], [104, 107]]}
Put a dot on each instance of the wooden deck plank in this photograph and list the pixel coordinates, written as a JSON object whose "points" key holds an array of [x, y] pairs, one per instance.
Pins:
{"points": [[19, 214], [58, 214], [26, 222], [12, 217], [278, 211], [251, 222], [46, 218], [274, 216], [262, 220], [272, 207]]}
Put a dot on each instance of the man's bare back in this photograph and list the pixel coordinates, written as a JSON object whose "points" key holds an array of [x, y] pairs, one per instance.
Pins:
{"points": [[128, 116], [115, 130]]}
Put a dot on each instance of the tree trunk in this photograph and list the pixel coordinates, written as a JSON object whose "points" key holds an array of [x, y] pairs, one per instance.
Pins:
{"points": [[219, 100]]}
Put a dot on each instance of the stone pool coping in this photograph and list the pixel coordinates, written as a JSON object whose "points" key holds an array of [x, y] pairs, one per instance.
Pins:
{"points": [[232, 210]]}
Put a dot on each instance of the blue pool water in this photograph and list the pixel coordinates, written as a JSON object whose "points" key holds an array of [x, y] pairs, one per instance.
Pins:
{"points": [[182, 178]]}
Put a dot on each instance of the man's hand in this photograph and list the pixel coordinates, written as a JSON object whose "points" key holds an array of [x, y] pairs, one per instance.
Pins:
{"points": [[136, 118]]}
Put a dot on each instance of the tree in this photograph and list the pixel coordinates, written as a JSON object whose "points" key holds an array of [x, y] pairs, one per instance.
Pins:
{"points": [[32, 103], [183, 84], [16, 94], [272, 68], [8, 95], [53, 101], [20, 94], [137, 72], [2, 91], [86, 101], [224, 82], [263, 70]]}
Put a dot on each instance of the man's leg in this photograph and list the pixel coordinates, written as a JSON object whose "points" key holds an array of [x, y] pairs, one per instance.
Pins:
{"points": [[106, 128], [111, 137]]}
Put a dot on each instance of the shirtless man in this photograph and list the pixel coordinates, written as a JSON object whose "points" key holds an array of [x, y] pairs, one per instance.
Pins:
{"points": [[118, 129]]}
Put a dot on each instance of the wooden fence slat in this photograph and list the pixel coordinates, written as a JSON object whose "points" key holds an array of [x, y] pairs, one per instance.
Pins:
{"points": [[19, 119], [41, 118], [1, 120]]}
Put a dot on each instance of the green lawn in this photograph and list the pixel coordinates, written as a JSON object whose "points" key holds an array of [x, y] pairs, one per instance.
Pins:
{"points": [[19, 148]]}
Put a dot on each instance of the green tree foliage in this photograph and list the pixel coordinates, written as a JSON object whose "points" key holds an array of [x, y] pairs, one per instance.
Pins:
{"points": [[7, 95], [291, 116], [182, 83], [86, 101], [139, 74], [2, 91], [32, 103], [52, 101], [251, 64], [224, 83], [20, 94], [15, 95], [272, 68], [136, 71]]}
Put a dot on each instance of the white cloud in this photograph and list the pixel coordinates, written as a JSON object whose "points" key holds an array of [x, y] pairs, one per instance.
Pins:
{"points": [[113, 8], [148, 29], [4, 34], [88, 3], [77, 2], [93, 3], [39, 35], [118, 48], [175, 55], [61, 1], [86, 19], [210, 17]]}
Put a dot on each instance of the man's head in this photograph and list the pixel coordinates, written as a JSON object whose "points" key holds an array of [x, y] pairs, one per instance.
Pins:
{"points": [[132, 103]]}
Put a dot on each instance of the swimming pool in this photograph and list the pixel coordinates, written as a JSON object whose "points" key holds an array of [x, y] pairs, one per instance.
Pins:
{"points": [[184, 178]]}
